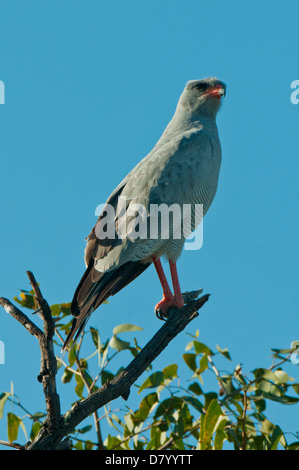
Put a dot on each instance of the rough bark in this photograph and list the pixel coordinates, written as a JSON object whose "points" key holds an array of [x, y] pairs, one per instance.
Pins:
{"points": [[53, 434]]}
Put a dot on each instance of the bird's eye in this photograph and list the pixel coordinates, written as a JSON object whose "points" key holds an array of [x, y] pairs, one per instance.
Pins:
{"points": [[201, 87]]}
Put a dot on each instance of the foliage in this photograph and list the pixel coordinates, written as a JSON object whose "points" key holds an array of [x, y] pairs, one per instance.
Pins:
{"points": [[169, 414]]}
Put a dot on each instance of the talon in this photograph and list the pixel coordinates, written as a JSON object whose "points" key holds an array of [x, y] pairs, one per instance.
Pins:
{"points": [[162, 307]]}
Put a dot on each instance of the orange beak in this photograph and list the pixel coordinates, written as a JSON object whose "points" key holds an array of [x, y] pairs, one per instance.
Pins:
{"points": [[218, 91]]}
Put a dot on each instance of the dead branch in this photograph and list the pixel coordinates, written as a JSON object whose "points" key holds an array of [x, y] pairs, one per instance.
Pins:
{"points": [[55, 429]]}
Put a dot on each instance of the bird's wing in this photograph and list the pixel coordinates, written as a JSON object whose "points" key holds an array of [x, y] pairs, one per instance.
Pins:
{"points": [[169, 174]]}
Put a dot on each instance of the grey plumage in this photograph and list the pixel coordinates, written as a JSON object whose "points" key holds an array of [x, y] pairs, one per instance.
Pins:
{"points": [[182, 168]]}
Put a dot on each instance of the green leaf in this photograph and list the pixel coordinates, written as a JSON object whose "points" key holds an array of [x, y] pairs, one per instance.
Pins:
{"points": [[146, 405], [201, 348], [67, 376], [95, 337], [269, 388], [84, 429], [226, 384], [267, 426], [64, 308], [23, 429], [26, 300], [211, 417], [293, 446], [224, 352], [208, 398], [284, 400], [170, 371], [88, 445], [129, 423], [195, 388], [281, 351], [220, 437], [13, 423], [35, 430], [260, 405], [190, 360], [282, 376], [104, 352], [168, 406], [106, 376], [201, 443], [3, 397], [78, 446], [126, 327], [276, 437], [118, 344], [55, 310], [194, 402], [179, 444], [113, 442], [37, 416], [220, 434], [203, 364], [279, 377], [80, 386], [72, 355], [154, 380]]}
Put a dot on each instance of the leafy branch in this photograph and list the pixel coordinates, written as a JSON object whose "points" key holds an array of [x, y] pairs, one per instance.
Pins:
{"points": [[52, 434]]}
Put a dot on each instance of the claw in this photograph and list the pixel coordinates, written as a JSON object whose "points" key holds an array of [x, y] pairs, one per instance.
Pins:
{"points": [[162, 307]]}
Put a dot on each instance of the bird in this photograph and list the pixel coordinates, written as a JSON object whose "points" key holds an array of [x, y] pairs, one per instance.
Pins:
{"points": [[181, 169]]}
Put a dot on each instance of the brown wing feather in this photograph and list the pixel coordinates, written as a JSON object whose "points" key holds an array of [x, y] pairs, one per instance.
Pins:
{"points": [[95, 287]]}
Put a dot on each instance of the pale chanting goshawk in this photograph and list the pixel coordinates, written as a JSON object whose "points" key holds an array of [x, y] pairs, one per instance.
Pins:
{"points": [[182, 169]]}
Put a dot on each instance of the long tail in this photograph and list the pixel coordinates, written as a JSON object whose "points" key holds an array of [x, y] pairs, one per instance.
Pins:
{"points": [[95, 287]]}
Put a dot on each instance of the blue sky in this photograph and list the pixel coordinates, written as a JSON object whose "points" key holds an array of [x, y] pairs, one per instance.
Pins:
{"points": [[89, 88]]}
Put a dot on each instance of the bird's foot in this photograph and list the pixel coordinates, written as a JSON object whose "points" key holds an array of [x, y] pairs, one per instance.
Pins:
{"points": [[162, 307]]}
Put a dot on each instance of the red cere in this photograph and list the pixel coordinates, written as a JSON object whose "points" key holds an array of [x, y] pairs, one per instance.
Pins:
{"points": [[216, 91]]}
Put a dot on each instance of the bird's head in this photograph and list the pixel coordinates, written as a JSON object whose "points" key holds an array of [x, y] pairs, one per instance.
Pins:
{"points": [[203, 96]]}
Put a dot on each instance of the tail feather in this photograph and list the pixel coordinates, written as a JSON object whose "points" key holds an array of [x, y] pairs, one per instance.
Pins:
{"points": [[94, 288]]}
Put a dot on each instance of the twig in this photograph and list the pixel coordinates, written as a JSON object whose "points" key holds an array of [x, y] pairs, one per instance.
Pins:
{"points": [[52, 434], [100, 444], [14, 445], [48, 361], [244, 435], [120, 385], [21, 318]]}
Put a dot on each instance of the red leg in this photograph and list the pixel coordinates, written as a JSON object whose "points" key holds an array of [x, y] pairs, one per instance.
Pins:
{"points": [[178, 298], [168, 298]]}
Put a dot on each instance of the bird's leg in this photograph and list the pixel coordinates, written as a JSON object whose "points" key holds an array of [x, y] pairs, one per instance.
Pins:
{"points": [[178, 300], [168, 297]]}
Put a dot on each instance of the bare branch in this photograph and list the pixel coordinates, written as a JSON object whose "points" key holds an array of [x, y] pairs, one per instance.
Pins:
{"points": [[56, 428], [48, 360], [14, 445], [120, 385], [21, 318]]}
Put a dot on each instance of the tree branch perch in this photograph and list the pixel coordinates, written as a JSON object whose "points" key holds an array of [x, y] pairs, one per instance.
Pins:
{"points": [[56, 428]]}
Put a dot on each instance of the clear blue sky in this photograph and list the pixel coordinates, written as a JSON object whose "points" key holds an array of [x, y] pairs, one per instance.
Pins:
{"points": [[89, 88]]}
